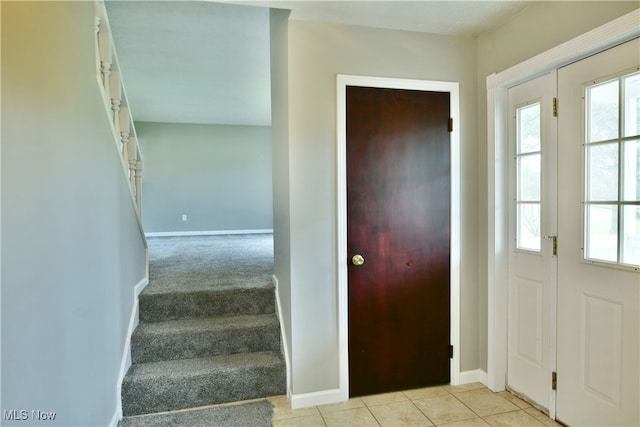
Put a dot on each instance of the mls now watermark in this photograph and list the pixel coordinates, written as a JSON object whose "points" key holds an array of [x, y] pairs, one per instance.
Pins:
{"points": [[24, 415]]}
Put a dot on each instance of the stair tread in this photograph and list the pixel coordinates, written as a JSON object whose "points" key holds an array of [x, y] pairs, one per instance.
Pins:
{"points": [[164, 286], [251, 413], [206, 324], [194, 302], [202, 366]]}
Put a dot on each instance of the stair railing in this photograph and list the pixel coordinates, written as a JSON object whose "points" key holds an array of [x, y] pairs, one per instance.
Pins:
{"points": [[117, 105]]}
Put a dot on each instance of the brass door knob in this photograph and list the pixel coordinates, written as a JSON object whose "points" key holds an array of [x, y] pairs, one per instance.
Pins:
{"points": [[357, 260]]}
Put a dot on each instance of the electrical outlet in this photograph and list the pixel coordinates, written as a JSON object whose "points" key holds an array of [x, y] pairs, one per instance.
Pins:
{"points": [[184, 217]]}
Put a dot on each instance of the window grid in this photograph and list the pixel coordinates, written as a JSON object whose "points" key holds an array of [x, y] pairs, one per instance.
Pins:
{"points": [[622, 211], [528, 165]]}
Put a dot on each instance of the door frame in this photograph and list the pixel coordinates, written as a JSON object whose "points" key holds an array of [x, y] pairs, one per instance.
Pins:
{"points": [[341, 211], [597, 40]]}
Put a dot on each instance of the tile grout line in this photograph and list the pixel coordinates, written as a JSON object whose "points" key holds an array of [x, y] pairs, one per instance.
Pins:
{"points": [[408, 399], [446, 392], [482, 417], [373, 415], [470, 408], [321, 416], [423, 413]]}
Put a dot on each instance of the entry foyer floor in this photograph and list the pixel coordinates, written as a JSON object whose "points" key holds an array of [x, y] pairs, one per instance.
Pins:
{"points": [[464, 405]]}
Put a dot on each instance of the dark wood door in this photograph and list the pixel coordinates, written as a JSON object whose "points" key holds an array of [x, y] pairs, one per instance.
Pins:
{"points": [[398, 219]]}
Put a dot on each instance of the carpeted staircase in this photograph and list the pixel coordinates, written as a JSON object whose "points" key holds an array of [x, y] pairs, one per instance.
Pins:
{"points": [[208, 332]]}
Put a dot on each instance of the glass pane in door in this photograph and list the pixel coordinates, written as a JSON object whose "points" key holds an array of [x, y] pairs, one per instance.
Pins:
{"points": [[631, 172], [529, 177], [602, 166], [632, 105], [529, 223], [631, 235], [602, 232], [603, 111]]}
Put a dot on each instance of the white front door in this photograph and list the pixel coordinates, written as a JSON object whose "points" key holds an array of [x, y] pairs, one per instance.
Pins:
{"points": [[599, 239], [532, 263]]}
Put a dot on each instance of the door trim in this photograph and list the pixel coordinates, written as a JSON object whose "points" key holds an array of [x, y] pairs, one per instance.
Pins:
{"points": [[341, 211], [606, 36]]}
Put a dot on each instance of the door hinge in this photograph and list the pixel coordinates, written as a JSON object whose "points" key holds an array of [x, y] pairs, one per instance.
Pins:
{"points": [[450, 352], [555, 243], [450, 124], [554, 380], [555, 107]]}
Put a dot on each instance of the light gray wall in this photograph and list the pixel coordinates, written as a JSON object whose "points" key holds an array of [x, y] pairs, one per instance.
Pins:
{"points": [[537, 28], [278, 21], [218, 175], [317, 53], [72, 251]]}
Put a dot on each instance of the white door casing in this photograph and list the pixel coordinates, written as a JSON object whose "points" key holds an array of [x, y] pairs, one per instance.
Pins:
{"points": [[342, 81], [598, 304], [532, 216]]}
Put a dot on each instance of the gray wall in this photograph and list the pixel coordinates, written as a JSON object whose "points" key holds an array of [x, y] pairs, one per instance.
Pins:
{"points": [[317, 52], [72, 250], [278, 27], [537, 28], [219, 175]]}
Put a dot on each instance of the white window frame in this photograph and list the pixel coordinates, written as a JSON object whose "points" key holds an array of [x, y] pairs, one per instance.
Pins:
{"points": [[620, 202], [518, 155]]}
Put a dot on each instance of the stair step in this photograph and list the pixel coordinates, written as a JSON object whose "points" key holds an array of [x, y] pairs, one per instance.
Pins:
{"points": [[197, 338], [187, 383], [165, 306], [251, 414]]}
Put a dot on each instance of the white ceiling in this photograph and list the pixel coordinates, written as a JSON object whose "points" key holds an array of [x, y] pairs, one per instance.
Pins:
{"points": [[206, 62], [452, 17], [193, 62]]}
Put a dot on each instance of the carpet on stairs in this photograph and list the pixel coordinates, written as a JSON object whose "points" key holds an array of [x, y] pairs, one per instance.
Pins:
{"points": [[250, 414], [208, 331]]}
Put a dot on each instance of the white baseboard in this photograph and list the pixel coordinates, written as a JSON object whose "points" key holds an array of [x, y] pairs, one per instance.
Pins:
{"points": [[140, 286], [317, 398], [334, 396], [283, 336], [208, 232], [474, 376], [125, 361], [117, 416]]}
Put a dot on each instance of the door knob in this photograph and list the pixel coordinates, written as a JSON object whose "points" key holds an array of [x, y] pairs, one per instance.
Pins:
{"points": [[357, 260]]}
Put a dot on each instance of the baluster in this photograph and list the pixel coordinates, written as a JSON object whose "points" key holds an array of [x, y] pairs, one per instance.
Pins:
{"points": [[116, 98], [125, 131], [122, 121], [139, 185], [106, 55], [96, 36], [132, 147]]}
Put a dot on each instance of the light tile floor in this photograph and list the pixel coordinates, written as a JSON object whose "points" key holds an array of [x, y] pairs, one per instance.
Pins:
{"points": [[465, 405]]}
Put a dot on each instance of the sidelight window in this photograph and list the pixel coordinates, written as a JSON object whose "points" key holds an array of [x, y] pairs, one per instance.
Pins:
{"points": [[612, 171]]}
